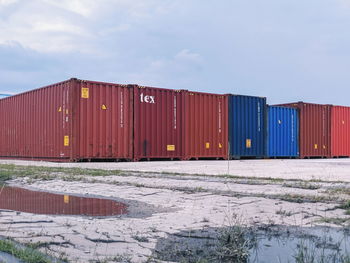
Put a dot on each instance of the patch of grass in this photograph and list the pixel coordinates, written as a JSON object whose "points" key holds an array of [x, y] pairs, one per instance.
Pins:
{"points": [[302, 185], [119, 258], [9, 171], [339, 190], [4, 176], [334, 220], [346, 205], [233, 246], [283, 212], [308, 252], [140, 238], [28, 255], [37, 245], [297, 198]]}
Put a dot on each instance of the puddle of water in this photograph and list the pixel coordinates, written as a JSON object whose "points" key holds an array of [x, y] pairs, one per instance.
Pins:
{"points": [[323, 243], [37, 202], [280, 244], [4, 257]]}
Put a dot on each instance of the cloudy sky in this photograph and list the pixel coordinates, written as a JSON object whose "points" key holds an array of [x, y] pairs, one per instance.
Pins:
{"points": [[286, 50]]}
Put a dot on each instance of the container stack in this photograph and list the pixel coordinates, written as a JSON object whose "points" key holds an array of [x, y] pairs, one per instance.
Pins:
{"points": [[77, 120]]}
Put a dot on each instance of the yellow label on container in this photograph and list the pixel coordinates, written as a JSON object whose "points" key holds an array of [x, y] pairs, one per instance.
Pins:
{"points": [[66, 140], [104, 107], [67, 111], [207, 145], [85, 93], [248, 143], [60, 109], [170, 148], [220, 145], [316, 146], [66, 199]]}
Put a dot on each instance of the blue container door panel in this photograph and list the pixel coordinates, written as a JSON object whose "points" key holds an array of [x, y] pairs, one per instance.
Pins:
{"points": [[247, 126], [282, 132]]}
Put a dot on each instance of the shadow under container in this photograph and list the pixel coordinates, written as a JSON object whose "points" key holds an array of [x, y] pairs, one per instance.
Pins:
{"points": [[247, 126], [282, 132], [314, 129]]}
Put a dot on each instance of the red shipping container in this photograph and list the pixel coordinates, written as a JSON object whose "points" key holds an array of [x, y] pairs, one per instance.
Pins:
{"points": [[205, 125], [315, 129], [157, 123], [340, 131], [68, 121]]}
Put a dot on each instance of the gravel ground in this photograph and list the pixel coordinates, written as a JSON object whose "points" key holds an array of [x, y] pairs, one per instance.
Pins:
{"points": [[176, 203]]}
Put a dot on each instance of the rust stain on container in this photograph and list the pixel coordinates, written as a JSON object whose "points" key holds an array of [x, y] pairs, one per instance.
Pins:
{"points": [[315, 129], [36, 202], [340, 131], [65, 121], [205, 125], [157, 123]]}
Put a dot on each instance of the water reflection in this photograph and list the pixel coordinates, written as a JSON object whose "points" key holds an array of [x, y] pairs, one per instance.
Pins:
{"points": [[37, 202]]}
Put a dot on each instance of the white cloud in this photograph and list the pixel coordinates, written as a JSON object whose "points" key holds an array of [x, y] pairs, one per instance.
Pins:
{"points": [[74, 25], [42, 28], [81, 7], [185, 54], [57, 26], [7, 2]]}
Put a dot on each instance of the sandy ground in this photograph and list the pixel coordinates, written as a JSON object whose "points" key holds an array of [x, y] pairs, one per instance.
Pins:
{"points": [[305, 169], [175, 203]]}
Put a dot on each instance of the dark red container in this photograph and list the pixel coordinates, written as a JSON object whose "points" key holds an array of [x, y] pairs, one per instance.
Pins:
{"points": [[340, 131], [315, 129], [157, 123], [205, 125], [68, 121]]}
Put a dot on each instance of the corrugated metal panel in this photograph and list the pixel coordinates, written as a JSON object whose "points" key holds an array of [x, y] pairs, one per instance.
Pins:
{"points": [[315, 132], [157, 123], [35, 124], [103, 121], [205, 124], [70, 120], [340, 131], [282, 132], [247, 116]]}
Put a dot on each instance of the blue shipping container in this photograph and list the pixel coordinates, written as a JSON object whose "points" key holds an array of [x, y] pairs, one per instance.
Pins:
{"points": [[247, 127], [282, 132]]}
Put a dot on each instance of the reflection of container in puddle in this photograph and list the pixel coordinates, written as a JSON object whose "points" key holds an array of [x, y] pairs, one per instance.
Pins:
{"points": [[23, 200]]}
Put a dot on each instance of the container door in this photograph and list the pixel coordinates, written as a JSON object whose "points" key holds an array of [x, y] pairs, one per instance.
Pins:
{"points": [[157, 123], [104, 119]]}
